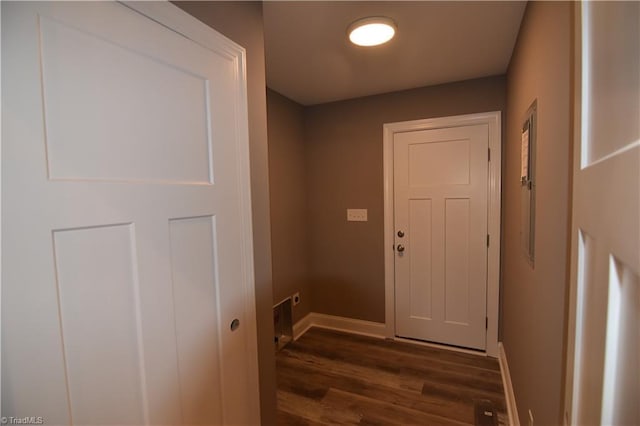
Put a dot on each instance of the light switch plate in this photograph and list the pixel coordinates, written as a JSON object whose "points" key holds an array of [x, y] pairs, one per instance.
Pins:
{"points": [[356, 215]]}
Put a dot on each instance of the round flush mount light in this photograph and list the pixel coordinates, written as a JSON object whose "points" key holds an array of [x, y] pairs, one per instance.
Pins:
{"points": [[372, 31]]}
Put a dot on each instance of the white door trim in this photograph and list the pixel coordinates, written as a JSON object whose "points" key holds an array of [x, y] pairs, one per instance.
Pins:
{"points": [[493, 120]]}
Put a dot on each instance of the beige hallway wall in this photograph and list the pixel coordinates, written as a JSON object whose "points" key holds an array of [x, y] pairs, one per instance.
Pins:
{"points": [[533, 321], [344, 170], [288, 186]]}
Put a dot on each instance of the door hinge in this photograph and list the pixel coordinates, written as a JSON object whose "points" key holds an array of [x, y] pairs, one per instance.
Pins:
{"points": [[486, 323], [489, 154], [487, 240]]}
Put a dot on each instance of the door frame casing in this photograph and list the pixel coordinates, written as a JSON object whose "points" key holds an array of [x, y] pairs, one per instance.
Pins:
{"points": [[494, 122]]}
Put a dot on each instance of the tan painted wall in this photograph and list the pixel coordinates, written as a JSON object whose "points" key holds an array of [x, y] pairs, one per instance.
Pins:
{"points": [[287, 180], [533, 319], [242, 23], [344, 170]]}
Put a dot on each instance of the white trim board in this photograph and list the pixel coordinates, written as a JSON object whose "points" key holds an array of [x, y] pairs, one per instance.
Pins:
{"points": [[493, 120], [364, 328], [301, 327], [331, 322], [512, 409]]}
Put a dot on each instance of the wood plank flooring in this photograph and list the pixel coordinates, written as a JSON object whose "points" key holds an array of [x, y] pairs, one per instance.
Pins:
{"points": [[328, 377]]}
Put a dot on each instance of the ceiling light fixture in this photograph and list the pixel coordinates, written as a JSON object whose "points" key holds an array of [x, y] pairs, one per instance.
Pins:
{"points": [[372, 31]]}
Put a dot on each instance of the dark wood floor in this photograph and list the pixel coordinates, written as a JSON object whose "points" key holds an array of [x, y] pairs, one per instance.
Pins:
{"points": [[328, 377]]}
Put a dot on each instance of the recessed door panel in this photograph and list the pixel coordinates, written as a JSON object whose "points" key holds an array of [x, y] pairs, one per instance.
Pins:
{"points": [[456, 260], [195, 290], [100, 320], [135, 117], [610, 33], [420, 224], [439, 162]]}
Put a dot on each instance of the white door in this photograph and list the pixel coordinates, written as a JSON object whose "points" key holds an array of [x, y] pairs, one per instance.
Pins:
{"points": [[440, 213], [603, 362], [126, 237]]}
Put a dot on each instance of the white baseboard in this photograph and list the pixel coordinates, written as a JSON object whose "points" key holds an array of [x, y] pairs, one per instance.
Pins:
{"points": [[332, 322], [302, 326], [512, 409]]}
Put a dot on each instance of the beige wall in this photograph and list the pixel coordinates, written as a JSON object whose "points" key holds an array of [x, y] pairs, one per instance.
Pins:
{"points": [[287, 180], [344, 170], [242, 23], [534, 299]]}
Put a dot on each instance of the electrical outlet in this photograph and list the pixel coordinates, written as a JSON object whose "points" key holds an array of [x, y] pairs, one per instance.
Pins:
{"points": [[356, 215], [296, 299], [530, 418]]}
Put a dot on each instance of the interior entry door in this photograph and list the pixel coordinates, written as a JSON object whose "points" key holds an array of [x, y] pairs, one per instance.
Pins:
{"points": [[440, 214], [127, 284], [603, 354]]}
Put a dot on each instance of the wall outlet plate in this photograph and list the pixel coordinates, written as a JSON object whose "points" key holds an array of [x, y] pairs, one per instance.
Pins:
{"points": [[357, 215], [296, 298]]}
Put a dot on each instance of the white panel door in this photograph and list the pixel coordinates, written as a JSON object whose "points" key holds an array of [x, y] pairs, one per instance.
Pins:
{"points": [[126, 240], [603, 361], [440, 190]]}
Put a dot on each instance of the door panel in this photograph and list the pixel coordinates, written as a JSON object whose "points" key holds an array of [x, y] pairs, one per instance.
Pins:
{"points": [[456, 261], [124, 172], [440, 190], [194, 279], [439, 163], [170, 140], [421, 278], [99, 296]]}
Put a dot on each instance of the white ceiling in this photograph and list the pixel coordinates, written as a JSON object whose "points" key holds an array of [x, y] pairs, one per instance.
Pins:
{"points": [[310, 60]]}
